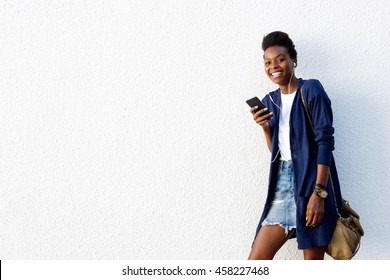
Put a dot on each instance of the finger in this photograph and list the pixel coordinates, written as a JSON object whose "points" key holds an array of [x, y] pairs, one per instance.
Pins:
{"points": [[263, 122], [264, 118], [253, 109], [320, 217], [258, 113], [309, 219], [316, 219], [310, 222]]}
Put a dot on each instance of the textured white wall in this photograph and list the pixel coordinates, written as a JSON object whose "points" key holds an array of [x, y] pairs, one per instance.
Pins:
{"points": [[125, 133]]}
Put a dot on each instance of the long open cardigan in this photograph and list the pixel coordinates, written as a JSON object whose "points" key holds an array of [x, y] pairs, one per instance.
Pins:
{"points": [[308, 149]]}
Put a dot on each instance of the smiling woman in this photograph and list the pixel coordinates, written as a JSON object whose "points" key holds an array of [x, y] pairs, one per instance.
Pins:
{"points": [[297, 203]]}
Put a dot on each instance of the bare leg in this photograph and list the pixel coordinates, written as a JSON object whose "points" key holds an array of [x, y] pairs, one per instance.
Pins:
{"points": [[268, 241], [315, 253]]}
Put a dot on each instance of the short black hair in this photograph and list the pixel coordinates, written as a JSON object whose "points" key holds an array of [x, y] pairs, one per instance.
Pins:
{"points": [[279, 38]]}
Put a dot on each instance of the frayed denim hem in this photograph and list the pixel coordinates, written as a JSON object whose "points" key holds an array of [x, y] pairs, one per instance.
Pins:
{"points": [[287, 228]]}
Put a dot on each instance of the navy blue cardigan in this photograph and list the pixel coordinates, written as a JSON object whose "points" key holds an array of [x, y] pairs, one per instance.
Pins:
{"points": [[308, 148]]}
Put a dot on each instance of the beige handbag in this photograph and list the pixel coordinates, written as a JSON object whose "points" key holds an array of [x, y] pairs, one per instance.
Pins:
{"points": [[346, 237]]}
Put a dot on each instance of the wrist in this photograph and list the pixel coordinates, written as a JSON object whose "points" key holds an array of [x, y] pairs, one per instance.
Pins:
{"points": [[321, 193], [320, 185], [265, 126]]}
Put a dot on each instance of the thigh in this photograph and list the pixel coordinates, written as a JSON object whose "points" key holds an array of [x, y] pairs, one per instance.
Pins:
{"points": [[268, 241], [315, 253]]}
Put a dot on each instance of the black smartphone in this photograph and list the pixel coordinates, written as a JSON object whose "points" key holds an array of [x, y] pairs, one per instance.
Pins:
{"points": [[256, 102]]}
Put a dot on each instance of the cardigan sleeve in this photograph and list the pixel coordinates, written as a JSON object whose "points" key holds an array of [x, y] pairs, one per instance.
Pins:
{"points": [[321, 113], [267, 102]]}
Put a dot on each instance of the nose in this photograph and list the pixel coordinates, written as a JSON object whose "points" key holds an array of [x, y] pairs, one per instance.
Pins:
{"points": [[275, 64]]}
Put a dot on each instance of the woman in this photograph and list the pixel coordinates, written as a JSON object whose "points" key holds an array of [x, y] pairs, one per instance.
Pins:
{"points": [[300, 201]]}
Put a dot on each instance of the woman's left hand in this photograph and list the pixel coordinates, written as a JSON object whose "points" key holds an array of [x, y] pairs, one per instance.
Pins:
{"points": [[314, 211]]}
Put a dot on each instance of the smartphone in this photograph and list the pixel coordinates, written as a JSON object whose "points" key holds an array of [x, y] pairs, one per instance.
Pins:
{"points": [[256, 102]]}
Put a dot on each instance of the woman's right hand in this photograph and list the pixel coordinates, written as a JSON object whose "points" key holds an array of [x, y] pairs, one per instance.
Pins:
{"points": [[261, 120]]}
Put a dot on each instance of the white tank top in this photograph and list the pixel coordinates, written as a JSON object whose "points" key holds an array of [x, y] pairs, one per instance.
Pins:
{"points": [[284, 126]]}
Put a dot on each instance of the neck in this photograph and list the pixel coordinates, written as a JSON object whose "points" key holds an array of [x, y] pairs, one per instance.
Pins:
{"points": [[289, 87]]}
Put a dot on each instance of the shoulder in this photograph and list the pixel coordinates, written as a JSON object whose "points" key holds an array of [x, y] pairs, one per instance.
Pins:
{"points": [[313, 89], [267, 99], [313, 84]]}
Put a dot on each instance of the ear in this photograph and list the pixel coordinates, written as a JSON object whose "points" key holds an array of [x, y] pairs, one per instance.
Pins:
{"points": [[295, 63]]}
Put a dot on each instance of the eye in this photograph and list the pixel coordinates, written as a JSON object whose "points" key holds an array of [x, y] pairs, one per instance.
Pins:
{"points": [[267, 63], [281, 59]]}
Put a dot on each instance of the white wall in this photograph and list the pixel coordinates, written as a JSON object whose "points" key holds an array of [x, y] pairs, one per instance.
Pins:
{"points": [[125, 133]]}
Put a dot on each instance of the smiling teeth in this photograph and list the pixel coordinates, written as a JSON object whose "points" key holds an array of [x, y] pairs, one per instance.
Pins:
{"points": [[276, 74]]}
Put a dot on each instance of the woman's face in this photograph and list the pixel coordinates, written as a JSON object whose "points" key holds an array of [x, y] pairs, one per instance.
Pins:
{"points": [[278, 64]]}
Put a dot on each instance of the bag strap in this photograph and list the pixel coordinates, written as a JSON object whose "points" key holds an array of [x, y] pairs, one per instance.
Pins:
{"points": [[312, 127]]}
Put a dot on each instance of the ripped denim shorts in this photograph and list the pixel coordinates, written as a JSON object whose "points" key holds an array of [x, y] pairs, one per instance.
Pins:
{"points": [[282, 210]]}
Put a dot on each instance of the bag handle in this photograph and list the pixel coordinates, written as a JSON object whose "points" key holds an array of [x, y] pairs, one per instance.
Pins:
{"points": [[312, 127]]}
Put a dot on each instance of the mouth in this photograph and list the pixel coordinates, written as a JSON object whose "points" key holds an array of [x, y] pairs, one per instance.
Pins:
{"points": [[276, 74]]}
